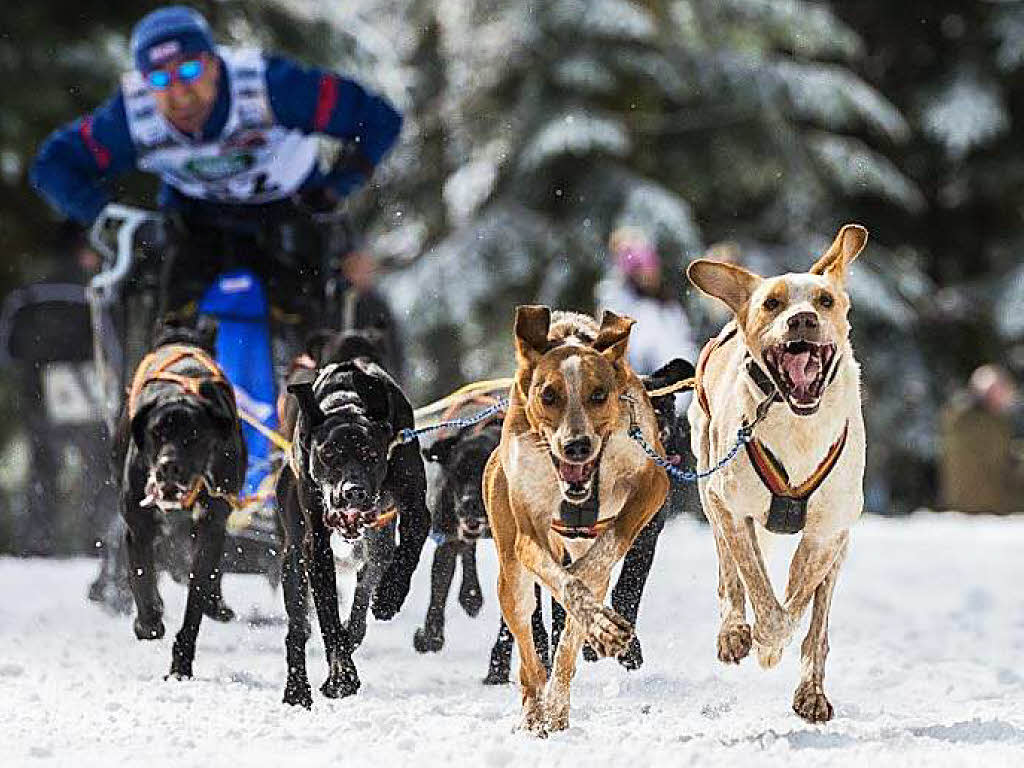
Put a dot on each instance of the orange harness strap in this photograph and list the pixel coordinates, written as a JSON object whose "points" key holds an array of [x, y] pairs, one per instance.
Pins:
{"points": [[153, 368]]}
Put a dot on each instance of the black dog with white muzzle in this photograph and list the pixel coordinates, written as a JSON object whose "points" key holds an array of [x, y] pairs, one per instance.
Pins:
{"points": [[349, 475]]}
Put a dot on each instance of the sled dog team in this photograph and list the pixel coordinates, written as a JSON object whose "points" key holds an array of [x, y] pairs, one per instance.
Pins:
{"points": [[562, 483]]}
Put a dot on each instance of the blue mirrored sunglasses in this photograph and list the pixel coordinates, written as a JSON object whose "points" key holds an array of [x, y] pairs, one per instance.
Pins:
{"points": [[188, 72]]}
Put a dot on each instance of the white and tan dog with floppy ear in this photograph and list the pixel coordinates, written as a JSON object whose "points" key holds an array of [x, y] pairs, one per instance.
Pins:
{"points": [[786, 355]]}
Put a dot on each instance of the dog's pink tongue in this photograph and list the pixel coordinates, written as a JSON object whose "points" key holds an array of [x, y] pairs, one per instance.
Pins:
{"points": [[571, 473], [802, 367]]}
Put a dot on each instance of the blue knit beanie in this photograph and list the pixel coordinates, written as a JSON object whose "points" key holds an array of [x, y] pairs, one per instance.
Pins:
{"points": [[169, 32]]}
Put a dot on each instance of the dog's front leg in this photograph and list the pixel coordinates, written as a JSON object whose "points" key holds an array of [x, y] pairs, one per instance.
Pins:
{"points": [[342, 678], [379, 546], [140, 532], [430, 638], [295, 585], [606, 631], [203, 582], [772, 626], [810, 701], [471, 597], [501, 653], [408, 484]]}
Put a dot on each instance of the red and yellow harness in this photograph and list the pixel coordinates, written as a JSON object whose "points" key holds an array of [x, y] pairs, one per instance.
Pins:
{"points": [[787, 512]]}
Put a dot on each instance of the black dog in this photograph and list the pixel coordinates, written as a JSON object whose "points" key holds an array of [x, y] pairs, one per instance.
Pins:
{"points": [[637, 564], [348, 474], [459, 522], [180, 447]]}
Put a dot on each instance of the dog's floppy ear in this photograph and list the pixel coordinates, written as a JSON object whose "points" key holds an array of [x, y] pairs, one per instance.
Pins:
{"points": [[221, 402], [139, 423], [374, 394], [206, 331], [849, 242], [727, 282], [303, 391], [613, 337], [440, 450], [532, 324], [672, 372]]}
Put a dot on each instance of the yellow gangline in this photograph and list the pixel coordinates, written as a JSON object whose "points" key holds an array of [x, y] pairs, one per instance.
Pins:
{"points": [[689, 383], [275, 437], [476, 386]]}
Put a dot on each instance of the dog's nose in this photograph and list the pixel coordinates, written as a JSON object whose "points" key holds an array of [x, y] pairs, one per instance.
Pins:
{"points": [[578, 449], [354, 493], [806, 321], [167, 471]]}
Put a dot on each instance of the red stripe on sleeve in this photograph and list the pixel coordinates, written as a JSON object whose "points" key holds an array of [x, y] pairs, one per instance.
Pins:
{"points": [[99, 153], [326, 98]]}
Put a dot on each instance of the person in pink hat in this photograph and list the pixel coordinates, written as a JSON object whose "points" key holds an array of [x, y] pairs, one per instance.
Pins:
{"points": [[635, 288]]}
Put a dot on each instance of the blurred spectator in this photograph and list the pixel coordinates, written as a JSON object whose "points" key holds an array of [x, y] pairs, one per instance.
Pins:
{"points": [[981, 467], [713, 313], [635, 288], [359, 305]]}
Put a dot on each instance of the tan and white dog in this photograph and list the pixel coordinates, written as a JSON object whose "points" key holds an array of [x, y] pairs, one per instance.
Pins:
{"points": [[786, 355], [567, 478]]}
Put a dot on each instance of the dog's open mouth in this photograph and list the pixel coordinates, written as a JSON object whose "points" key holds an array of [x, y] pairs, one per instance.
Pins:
{"points": [[350, 522], [472, 528], [575, 479], [170, 497], [801, 371]]}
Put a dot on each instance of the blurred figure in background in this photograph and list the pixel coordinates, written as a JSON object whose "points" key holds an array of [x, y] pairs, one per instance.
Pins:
{"points": [[635, 287], [711, 313], [981, 464], [358, 305]]}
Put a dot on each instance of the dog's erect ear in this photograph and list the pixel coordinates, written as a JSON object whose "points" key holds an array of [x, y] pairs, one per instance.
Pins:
{"points": [[532, 324], [671, 373], [727, 282], [374, 394], [844, 249], [221, 403], [303, 391], [440, 450], [613, 337]]}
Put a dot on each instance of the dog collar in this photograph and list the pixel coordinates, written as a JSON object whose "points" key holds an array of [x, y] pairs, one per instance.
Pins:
{"points": [[788, 510]]}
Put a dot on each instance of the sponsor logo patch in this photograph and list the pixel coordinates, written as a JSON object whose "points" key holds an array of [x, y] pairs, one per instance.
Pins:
{"points": [[215, 167], [164, 51]]}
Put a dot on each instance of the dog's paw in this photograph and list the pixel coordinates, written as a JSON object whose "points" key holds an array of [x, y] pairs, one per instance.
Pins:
{"points": [[471, 600], [734, 643], [497, 675], [181, 663], [810, 703], [150, 629], [533, 720], [768, 656], [428, 640], [633, 657], [607, 632], [390, 594], [297, 693], [771, 638], [342, 681], [218, 610]]}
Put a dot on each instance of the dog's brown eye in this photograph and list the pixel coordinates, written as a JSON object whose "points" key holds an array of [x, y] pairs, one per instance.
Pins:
{"points": [[548, 396], [771, 304], [599, 395], [826, 300]]}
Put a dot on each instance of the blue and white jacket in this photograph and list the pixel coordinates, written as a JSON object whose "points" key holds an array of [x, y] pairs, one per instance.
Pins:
{"points": [[257, 146]]}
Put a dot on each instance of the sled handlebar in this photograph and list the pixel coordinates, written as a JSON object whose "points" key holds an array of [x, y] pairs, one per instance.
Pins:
{"points": [[103, 286]]}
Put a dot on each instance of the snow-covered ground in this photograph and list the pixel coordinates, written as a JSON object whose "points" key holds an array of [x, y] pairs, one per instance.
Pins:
{"points": [[927, 668]]}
